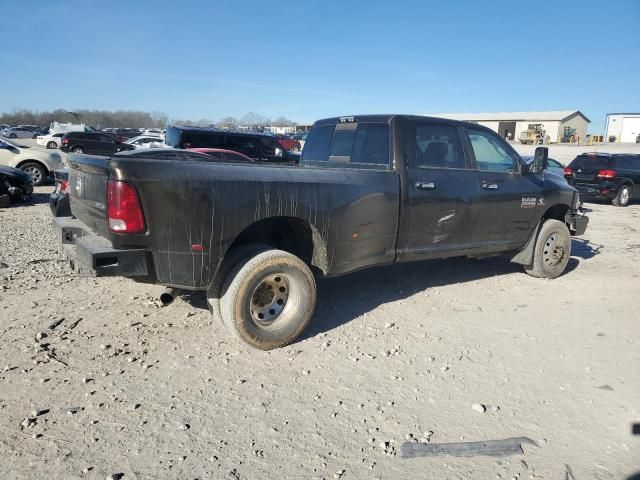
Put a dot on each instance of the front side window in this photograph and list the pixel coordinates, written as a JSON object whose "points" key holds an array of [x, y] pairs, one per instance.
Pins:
{"points": [[491, 155], [438, 146]]}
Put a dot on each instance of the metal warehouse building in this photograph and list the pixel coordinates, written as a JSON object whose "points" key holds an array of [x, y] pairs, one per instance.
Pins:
{"points": [[625, 127], [556, 123]]}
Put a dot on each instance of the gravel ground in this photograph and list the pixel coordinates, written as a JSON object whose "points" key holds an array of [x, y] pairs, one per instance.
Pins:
{"points": [[98, 381]]}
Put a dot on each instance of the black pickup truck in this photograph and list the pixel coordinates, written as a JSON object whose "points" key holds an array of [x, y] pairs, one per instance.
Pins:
{"points": [[369, 190]]}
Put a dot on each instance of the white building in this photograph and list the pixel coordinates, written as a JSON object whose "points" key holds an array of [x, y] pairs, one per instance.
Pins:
{"points": [[625, 127], [516, 122]]}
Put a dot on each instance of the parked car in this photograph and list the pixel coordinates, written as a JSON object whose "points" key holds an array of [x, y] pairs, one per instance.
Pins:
{"points": [[36, 163], [15, 185], [52, 140], [124, 134], [263, 148], [224, 155], [146, 141], [554, 166], [289, 144], [19, 132], [93, 143], [614, 177], [371, 190], [153, 131], [638, 139]]}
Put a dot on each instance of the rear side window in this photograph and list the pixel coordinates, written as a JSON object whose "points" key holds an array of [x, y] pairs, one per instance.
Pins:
{"points": [[629, 163], [438, 146], [318, 145], [201, 139], [242, 144]]}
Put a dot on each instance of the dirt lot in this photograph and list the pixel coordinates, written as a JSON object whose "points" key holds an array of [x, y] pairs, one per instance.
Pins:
{"points": [[97, 380]]}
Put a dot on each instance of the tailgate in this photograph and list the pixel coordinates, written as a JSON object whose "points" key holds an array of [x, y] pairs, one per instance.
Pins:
{"points": [[88, 178]]}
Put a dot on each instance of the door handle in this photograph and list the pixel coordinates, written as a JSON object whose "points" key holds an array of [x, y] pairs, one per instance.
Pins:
{"points": [[489, 186], [425, 185]]}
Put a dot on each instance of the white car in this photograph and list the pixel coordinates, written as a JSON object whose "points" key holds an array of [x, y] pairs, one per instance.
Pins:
{"points": [[50, 141], [19, 132], [37, 163], [146, 141]]}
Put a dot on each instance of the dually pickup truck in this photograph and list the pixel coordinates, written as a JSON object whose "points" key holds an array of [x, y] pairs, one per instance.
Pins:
{"points": [[369, 190]]}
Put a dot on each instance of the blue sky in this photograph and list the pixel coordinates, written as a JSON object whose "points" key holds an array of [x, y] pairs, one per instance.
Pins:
{"points": [[311, 59]]}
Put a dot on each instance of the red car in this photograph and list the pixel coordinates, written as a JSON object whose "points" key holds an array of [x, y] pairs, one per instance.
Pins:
{"points": [[287, 143], [223, 155]]}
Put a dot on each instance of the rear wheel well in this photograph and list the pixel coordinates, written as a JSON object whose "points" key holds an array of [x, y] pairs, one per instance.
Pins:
{"points": [[290, 234], [47, 172]]}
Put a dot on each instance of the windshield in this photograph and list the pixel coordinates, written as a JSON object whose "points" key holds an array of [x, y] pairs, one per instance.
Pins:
{"points": [[11, 142]]}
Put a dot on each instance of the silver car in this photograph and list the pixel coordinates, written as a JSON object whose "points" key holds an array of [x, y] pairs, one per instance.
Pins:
{"points": [[19, 132]]}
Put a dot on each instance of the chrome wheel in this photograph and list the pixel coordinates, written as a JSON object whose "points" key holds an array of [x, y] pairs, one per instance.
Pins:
{"points": [[624, 196], [35, 173], [555, 250], [269, 300]]}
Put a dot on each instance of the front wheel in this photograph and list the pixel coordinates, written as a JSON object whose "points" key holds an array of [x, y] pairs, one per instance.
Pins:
{"points": [[268, 299], [552, 251], [623, 197], [37, 172], [13, 135]]}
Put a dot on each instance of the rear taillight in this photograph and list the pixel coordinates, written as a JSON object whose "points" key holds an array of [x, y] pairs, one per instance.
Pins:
{"points": [[608, 174], [62, 188], [65, 140], [568, 171], [124, 209]]}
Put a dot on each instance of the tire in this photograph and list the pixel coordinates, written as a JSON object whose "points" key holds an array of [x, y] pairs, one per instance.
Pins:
{"points": [[286, 286], [623, 197], [231, 259], [77, 150], [52, 145], [38, 172], [295, 148], [552, 250], [13, 135]]}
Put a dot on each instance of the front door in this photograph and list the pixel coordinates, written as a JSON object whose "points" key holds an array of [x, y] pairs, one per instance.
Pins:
{"points": [[442, 192], [508, 199]]}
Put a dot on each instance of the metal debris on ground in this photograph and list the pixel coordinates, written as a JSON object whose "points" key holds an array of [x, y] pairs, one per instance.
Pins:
{"points": [[491, 448]]}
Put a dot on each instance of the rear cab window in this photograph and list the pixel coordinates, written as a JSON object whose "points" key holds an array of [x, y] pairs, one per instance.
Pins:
{"points": [[358, 145]]}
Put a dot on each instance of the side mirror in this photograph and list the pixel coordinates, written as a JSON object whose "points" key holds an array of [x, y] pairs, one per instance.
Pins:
{"points": [[540, 160]]}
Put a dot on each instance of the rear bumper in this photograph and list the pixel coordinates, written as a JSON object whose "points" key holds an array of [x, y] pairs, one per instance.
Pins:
{"points": [[93, 255], [59, 205]]}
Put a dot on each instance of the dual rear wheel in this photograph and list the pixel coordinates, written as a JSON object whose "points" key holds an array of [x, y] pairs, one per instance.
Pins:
{"points": [[266, 298]]}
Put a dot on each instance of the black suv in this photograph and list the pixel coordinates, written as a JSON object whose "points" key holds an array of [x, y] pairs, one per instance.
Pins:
{"points": [[260, 147], [607, 176], [93, 143]]}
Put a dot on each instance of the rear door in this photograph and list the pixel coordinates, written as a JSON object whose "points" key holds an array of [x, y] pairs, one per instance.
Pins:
{"points": [[507, 198], [442, 191], [107, 145]]}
